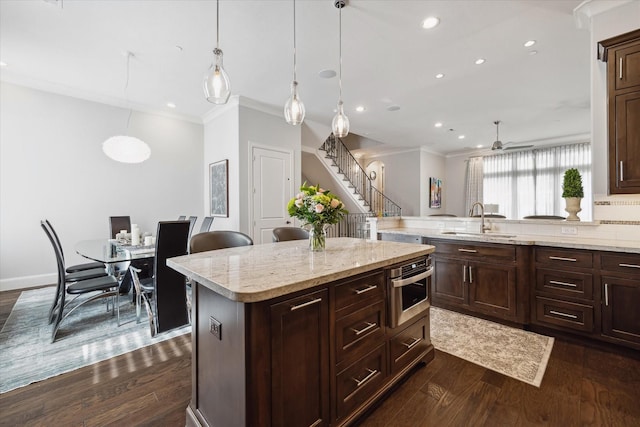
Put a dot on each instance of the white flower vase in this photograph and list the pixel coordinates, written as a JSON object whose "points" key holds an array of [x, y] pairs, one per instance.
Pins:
{"points": [[573, 207]]}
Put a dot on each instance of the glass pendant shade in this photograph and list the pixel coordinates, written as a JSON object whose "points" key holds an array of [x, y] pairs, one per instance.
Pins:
{"points": [[340, 123], [126, 149], [294, 108], [217, 87]]}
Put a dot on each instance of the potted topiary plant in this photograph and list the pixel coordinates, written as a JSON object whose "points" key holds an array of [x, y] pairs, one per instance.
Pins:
{"points": [[572, 192]]}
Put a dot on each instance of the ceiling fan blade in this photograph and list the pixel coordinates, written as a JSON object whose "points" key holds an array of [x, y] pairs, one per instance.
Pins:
{"points": [[517, 147]]}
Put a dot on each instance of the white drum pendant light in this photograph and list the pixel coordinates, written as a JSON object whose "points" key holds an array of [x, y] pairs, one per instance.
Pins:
{"points": [[217, 87], [294, 108], [340, 123], [125, 148]]}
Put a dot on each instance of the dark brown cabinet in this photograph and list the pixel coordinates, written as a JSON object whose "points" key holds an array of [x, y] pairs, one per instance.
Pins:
{"points": [[622, 54], [620, 285], [300, 361], [478, 277]]}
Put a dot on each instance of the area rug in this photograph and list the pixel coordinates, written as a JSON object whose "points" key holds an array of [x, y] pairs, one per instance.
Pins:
{"points": [[89, 335], [513, 352]]}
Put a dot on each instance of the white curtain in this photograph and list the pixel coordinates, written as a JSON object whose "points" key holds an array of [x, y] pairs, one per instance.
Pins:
{"points": [[530, 182], [474, 182]]}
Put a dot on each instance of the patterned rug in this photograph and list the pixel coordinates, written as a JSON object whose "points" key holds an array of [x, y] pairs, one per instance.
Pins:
{"points": [[513, 352], [89, 335]]}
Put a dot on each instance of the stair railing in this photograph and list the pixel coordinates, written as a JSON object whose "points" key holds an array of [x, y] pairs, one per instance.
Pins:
{"points": [[358, 179]]}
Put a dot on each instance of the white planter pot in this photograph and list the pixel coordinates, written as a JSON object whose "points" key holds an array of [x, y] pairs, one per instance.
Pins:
{"points": [[572, 207]]}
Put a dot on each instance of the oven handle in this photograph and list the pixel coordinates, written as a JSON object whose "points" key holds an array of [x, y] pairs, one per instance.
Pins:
{"points": [[398, 283]]}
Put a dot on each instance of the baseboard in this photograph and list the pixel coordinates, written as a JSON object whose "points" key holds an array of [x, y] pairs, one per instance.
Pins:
{"points": [[27, 282]]}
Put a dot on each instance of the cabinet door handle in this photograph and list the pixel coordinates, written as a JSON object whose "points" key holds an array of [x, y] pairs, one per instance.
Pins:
{"points": [[464, 274], [365, 329], [606, 294], [365, 379], [621, 171], [412, 343], [559, 258], [559, 313], [304, 304], [555, 282], [629, 265], [470, 275], [620, 68], [471, 251], [365, 289]]}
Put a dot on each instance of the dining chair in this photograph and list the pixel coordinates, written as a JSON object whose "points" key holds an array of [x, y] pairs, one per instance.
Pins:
{"points": [[117, 223], [182, 218], [488, 216], [192, 224], [218, 239], [206, 224], [97, 287], [283, 234], [166, 290], [451, 215], [77, 267]]}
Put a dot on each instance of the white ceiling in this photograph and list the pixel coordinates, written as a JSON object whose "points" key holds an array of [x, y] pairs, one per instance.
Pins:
{"points": [[76, 48]]}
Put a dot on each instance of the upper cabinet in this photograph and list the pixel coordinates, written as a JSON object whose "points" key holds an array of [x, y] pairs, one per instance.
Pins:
{"points": [[622, 55]]}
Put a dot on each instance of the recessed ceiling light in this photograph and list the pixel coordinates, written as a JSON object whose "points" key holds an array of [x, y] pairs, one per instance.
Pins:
{"points": [[430, 22], [393, 108], [3, 64], [529, 43], [360, 108], [533, 52], [460, 136], [327, 74], [171, 105], [439, 76], [479, 61], [438, 125]]}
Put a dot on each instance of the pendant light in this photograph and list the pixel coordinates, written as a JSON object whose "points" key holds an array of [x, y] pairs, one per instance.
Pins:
{"points": [[294, 108], [125, 148], [340, 123], [217, 87]]}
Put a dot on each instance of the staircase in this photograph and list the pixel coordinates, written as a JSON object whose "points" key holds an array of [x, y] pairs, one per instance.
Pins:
{"points": [[339, 159]]}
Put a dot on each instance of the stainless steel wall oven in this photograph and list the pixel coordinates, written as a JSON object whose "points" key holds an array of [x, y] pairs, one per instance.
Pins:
{"points": [[409, 290]]}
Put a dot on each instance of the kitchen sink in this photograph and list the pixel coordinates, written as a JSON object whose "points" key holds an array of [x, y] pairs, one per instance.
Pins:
{"points": [[496, 235]]}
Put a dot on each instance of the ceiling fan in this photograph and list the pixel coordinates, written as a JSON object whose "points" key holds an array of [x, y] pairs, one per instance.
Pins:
{"points": [[498, 145]]}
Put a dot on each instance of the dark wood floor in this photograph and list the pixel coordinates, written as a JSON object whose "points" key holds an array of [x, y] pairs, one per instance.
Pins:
{"points": [[582, 386]]}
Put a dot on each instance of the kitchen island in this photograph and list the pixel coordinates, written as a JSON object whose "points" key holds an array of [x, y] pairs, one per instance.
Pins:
{"points": [[285, 336]]}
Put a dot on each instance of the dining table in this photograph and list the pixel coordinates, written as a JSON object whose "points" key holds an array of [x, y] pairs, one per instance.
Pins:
{"points": [[112, 252]]}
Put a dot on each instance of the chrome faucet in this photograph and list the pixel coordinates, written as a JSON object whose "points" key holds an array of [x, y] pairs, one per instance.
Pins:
{"points": [[483, 227]]}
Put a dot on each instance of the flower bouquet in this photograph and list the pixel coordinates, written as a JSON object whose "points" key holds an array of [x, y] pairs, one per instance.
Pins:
{"points": [[317, 209]]}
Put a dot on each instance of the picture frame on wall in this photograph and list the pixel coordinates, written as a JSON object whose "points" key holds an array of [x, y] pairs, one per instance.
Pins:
{"points": [[219, 188], [435, 192]]}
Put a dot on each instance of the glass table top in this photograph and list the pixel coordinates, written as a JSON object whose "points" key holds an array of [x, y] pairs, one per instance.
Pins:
{"points": [[110, 251]]}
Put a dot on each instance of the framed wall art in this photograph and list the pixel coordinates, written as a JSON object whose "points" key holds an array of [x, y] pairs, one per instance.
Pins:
{"points": [[219, 188], [435, 193]]}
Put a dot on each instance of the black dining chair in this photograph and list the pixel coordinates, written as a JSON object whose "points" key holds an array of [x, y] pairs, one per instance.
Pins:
{"points": [[450, 215], [218, 239], [76, 267], [182, 217], [558, 217], [117, 223], [192, 224], [488, 216], [166, 290], [283, 234], [206, 224]]}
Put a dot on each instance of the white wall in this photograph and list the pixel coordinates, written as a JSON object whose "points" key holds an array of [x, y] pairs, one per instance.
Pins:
{"points": [[402, 178], [455, 177], [433, 166], [52, 166]]}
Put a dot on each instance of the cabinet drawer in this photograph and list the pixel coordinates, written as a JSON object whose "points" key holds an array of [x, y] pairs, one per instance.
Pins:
{"points": [[562, 258], [474, 251], [360, 289], [565, 314], [408, 344], [627, 264], [565, 283], [360, 331], [360, 381]]}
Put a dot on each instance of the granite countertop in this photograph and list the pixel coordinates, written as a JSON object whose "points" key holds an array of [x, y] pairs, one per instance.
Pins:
{"points": [[261, 272], [627, 246]]}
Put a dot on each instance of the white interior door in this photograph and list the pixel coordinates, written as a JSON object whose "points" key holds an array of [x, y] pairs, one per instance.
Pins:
{"points": [[272, 190]]}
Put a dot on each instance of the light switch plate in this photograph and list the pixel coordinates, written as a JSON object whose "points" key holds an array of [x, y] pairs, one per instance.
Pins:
{"points": [[569, 230], [215, 327]]}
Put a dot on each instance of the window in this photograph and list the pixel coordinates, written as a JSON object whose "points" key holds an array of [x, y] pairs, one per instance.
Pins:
{"points": [[530, 182]]}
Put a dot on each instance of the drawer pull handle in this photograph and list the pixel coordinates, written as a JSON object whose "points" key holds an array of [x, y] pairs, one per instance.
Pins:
{"points": [[412, 343], [559, 313], [555, 282], [304, 304], [471, 251], [365, 379], [470, 275], [621, 68], [363, 290], [629, 265], [464, 274], [621, 171], [606, 294], [365, 329], [559, 258]]}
